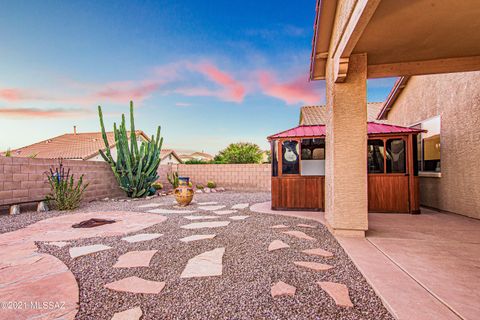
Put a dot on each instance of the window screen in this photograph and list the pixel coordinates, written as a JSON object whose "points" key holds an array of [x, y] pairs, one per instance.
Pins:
{"points": [[290, 157], [375, 154], [396, 156]]}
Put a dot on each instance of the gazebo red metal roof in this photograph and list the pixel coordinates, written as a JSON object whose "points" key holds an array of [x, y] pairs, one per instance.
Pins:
{"points": [[319, 131]]}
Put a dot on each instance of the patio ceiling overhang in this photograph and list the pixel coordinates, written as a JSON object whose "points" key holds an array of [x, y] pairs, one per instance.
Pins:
{"points": [[408, 37], [318, 131]]}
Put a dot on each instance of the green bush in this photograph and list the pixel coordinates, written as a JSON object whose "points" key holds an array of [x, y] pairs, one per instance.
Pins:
{"points": [[199, 186], [211, 184], [157, 185], [241, 152], [65, 193]]}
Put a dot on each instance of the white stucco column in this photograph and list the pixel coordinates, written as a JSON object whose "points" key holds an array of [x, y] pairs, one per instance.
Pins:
{"points": [[346, 198]]}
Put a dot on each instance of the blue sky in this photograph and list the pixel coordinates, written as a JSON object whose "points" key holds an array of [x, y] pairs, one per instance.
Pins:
{"points": [[209, 72]]}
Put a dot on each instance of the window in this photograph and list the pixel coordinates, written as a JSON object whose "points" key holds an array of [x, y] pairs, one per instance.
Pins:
{"points": [[290, 157], [375, 154], [428, 144], [396, 156], [274, 158], [313, 157]]}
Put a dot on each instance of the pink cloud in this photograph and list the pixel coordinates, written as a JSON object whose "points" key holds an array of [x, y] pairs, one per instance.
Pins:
{"points": [[42, 113], [125, 91], [230, 89], [298, 90]]}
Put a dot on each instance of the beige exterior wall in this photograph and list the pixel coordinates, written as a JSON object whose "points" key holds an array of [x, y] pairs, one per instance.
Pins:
{"points": [[456, 98], [23, 179]]}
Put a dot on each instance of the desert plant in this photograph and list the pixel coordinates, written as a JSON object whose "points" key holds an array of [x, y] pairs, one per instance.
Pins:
{"points": [[173, 179], [65, 193], [157, 185], [135, 168], [199, 186], [242, 152], [211, 184], [8, 153]]}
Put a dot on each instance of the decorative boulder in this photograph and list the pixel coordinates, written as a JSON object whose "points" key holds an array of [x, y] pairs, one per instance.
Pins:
{"points": [[15, 209], [42, 206], [221, 189], [207, 190], [213, 190], [198, 191]]}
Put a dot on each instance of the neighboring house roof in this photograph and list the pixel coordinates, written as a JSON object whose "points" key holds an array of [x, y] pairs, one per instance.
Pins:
{"points": [[319, 130], [313, 115], [398, 87], [79, 146], [166, 152]]}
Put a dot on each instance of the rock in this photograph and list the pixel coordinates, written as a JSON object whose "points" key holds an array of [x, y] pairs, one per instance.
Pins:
{"points": [[318, 252], [277, 244], [299, 235], [213, 190], [197, 237], [207, 190], [42, 206], [142, 237], [134, 259], [130, 314], [206, 264], [339, 293], [15, 209], [224, 212], [106, 199], [198, 191], [221, 189], [76, 252], [211, 208], [240, 206], [136, 285], [279, 226], [302, 225], [149, 197], [209, 224], [207, 203], [201, 217], [282, 289], [239, 217], [313, 265]]}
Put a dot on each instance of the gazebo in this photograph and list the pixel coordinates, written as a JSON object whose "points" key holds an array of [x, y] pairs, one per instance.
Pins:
{"points": [[298, 168]]}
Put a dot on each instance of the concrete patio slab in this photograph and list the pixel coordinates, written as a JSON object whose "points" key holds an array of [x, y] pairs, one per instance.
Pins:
{"points": [[130, 314]]}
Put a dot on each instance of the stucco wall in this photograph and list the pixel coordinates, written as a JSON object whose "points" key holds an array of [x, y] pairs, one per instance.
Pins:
{"points": [[23, 179], [456, 98]]}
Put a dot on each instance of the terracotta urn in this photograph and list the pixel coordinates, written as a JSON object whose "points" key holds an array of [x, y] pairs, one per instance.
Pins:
{"points": [[184, 193]]}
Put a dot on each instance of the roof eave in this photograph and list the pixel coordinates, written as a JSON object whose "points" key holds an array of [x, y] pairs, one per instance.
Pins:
{"points": [[322, 33], [398, 87]]}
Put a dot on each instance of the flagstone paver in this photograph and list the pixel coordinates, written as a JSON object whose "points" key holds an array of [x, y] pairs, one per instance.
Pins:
{"points": [[197, 237], [169, 211], [27, 275], [299, 235], [136, 285], [224, 212], [277, 244], [240, 206], [279, 226], [207, 203], [211, 208], [201, 217], [303, 225], [206, 264], [59, 244], [318, 252], [76, 252], [207, 224], [130, 314], [151, 205], [338, 291], [282, 289], [238, 217], [142, 237], [313, 265], [134, 259]]}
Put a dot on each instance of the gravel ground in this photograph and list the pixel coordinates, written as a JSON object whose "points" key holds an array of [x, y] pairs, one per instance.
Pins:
{"points": [[242, 292]]}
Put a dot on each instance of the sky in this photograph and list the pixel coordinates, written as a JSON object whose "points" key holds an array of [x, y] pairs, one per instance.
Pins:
{"points": [[208, 72]]}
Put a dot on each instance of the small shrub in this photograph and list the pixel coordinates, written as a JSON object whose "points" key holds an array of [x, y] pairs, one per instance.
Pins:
{"points": [[157, 185], [65, 193], [8, 153], [211, 184], [199, 186]]}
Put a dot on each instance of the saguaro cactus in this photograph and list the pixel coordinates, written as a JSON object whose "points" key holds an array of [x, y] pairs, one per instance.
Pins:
{"points": [[135, 168]]}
